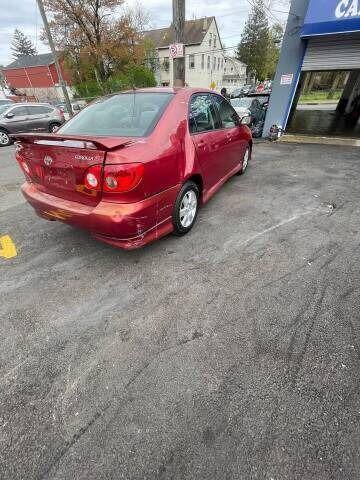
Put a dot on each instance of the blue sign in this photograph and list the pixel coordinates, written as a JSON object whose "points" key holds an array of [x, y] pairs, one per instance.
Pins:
{"points": [[325, 17]]}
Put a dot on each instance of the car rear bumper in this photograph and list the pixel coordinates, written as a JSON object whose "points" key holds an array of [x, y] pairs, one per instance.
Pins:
{"points": [[127, 226]]}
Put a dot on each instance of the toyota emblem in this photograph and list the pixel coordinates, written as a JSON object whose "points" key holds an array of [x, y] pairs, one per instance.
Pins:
{"points": [[48, 160]]}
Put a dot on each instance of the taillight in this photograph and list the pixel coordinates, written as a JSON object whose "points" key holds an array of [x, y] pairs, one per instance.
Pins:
{"points": [[92, 178], [122, 178], [113, 178]]}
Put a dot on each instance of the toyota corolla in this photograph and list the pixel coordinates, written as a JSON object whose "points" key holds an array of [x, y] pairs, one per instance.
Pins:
{"points": [[135, 166]]}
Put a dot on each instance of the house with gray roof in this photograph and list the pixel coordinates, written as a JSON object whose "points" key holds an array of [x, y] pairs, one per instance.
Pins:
{"points": [[204, 53]]}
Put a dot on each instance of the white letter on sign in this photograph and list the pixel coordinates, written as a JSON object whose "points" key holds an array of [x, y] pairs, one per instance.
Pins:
{"points": [[353, 10], [341, 8]]}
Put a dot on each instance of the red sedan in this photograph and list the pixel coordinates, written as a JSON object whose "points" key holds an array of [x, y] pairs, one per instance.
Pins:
{"points": [[135, 166]]}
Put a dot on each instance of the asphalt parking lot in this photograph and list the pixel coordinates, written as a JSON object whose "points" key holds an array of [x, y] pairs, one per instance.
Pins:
{"points": [[231, 353]]}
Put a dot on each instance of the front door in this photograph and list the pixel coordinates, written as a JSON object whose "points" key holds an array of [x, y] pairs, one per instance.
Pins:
{"points": [[204, 128], [16, 119], [233, 131]]}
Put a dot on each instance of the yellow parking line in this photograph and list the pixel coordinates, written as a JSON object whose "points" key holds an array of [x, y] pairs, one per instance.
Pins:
{"points": [[7, 247]]}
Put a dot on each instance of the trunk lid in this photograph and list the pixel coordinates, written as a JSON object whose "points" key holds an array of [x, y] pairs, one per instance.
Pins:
{"points": [[57, 163]]}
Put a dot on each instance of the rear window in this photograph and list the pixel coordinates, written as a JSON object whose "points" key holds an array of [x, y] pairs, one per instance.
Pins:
{"points": [[122, 115]]}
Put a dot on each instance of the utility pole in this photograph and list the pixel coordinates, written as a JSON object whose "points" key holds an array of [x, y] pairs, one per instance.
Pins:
{"points": [[52, 48], [179, 25]]}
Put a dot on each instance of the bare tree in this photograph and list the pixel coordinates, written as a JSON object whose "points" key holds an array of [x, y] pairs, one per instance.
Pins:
{"points": [[97, 35]]}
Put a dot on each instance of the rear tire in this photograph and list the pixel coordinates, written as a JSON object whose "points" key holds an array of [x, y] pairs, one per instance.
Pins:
{"points": [[5, 140], [186, 208], [54, 126]]}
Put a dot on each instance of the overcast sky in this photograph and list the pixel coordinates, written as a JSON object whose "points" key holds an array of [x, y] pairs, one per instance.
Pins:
{"points": [[230, 16]]}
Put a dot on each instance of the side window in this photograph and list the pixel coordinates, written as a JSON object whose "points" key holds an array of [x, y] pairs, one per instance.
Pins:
{"points": [[19, 111], [39, 110], [202, 115], [229, 118]]}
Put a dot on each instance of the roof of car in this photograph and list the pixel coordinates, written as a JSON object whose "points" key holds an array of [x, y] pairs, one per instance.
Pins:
{"points": [[173, 90], [29, 104]]}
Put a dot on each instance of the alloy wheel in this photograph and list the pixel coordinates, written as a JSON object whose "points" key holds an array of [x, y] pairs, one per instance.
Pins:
{"points": [[188, 208], [4, 139]]}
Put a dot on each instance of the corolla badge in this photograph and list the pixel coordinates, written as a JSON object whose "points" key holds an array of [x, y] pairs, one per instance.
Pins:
{"points": [[48, 160]]}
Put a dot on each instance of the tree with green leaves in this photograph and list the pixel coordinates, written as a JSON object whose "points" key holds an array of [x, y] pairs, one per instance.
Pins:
{"points": [[22, 45], [260, 45], [274, 47]]}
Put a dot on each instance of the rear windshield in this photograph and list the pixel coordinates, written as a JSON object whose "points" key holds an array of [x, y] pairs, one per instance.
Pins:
{"points": [[122, 115]]}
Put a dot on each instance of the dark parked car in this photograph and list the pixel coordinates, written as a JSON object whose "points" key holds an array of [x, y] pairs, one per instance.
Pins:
{"points": [[28, 117], [263, 98]]}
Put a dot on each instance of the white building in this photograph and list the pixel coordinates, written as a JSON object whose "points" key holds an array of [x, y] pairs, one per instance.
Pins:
{"points": [[204, 54], [234, 73]]}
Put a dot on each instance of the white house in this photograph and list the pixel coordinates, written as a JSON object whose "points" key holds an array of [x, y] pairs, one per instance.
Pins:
{"points": [[204, 54], [234, 72]]}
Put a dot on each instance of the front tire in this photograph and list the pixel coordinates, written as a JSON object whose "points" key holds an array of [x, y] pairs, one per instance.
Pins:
{"points": [[186, 208], [5, 140]]}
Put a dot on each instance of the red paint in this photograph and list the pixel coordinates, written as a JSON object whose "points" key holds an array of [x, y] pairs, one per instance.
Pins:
{"points": [[141, 211], [42, 76]]}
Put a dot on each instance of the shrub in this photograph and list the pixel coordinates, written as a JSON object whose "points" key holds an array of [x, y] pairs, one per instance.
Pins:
{"points": [[133, 76]]}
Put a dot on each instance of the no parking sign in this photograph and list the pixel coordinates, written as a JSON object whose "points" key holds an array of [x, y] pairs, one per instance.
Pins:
{"points": [[176, 50]]}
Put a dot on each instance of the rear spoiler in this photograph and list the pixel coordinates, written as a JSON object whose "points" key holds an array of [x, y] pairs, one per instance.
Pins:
{"points": [[73, 141]]}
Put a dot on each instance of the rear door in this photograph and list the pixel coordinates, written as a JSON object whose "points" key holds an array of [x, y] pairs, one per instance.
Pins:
{"points": [[233, 131], [204, 127], [19, 120], [39, 117]]}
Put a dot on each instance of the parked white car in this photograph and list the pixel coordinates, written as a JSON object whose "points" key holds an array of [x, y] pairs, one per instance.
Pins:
{"points": [[241, 106]]}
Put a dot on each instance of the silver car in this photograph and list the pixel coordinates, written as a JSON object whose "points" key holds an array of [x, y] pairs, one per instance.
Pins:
{"points": [[28, 117]]}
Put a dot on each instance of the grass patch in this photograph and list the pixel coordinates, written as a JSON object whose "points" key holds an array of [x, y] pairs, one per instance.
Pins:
{"points": [[323, 96]]}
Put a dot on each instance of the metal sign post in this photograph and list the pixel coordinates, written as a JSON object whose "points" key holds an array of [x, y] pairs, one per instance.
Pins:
{"points": [[57, 65]]}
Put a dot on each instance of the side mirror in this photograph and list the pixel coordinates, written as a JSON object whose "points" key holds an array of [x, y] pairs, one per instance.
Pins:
{"points": [[246, 120], [9, 115]]}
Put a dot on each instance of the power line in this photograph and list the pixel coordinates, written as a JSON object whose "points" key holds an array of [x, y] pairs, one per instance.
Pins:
{"points": [[266, 8]]}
